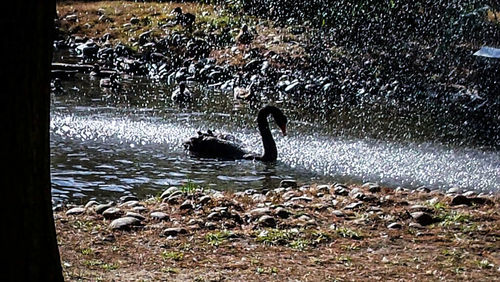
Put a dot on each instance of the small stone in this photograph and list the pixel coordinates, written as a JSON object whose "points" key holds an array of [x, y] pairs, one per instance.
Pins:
{"points": [[159, 216], [173, 231], [282, 212], [395, 225], [301, 198], [124, 223], [290, 194], [258, 212], [128, 198], [338, 213], [187, 205], [210, 225], [469, 193], [460, 200], [453, 190], [112, 213], [423, 189], [323, 189], [422, 218], [374, 188], [139, 209], [415, 225], [91, 204], [130, 204], [259, 198], [341, 191], [286, 183], [352, 206], [136, 215], [205, 200], [169, 192], [174, 199], [75, 211], [99, 209], [267, 221], [134, 20], [421, 208], [214, 216]]}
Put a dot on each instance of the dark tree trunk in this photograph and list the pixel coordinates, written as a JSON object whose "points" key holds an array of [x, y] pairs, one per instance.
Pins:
{"points": [[28, 234]]}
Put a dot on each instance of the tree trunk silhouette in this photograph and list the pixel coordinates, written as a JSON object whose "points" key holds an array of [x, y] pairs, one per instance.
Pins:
{"points": [[28, 234]]}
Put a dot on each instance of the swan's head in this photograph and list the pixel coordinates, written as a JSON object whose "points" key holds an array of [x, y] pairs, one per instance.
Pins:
{"points": [[281, 121], [177, 11]]}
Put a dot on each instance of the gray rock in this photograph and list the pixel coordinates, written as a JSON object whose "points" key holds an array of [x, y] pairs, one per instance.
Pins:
{"points": [[211, 225], [174, 199], [267, 221], [453, 190], [124, 223], [99, 209], [290, 194], [130, 204], [354, 205], [374, 188], [159, 216], [128, 198], [258, 212], [282, 212], [395, 225], [259, 198], [187, 205], [75, 211], [415, 225], [174, 231], [112, 213], [422, 218], [205, 200], [323, 189], [423, 189], [136, 215], [338, 213], [341, 191], [91, 204], [288, 183], [214, 216], [301, 198], [134, 20], [169, 192], [460, 200], [139, 209]]}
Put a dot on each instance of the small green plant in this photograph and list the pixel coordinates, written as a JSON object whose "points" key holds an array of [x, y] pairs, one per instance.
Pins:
{"points": [[87, 251], [300, 244], [348, 233], [484, 264], [216, 238], [453, 218], [177, 256], [268, 270], [188, 187], [109, 266], [169, 270], [275, 237]]}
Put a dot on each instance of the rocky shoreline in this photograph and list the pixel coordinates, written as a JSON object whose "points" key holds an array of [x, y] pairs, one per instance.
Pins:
{"points": [[312, 232]]}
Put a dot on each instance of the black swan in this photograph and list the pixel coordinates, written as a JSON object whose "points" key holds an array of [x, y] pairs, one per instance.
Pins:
{"points": [[184, 19], [222, 146], [182, 94], [244, 36]]}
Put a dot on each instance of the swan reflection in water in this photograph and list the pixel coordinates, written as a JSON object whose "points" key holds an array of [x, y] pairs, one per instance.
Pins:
{"points": [[224, 146]]}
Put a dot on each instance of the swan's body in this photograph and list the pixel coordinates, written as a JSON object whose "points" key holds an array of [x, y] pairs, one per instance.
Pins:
{"points": [[225, 146], [244, 36], [184, 19]]}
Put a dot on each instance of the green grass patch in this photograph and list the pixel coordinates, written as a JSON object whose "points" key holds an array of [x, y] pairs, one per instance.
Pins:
{"points": [[217, 238], [172, 255]]}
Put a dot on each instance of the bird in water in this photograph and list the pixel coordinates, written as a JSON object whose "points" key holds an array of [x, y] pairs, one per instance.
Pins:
{"points": [[182, 94], [244, 93], [223, 146], [244, 36], [184, 19]]}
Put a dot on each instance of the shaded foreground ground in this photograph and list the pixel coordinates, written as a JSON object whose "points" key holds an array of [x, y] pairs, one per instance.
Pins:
{"points": [[311, 233]]}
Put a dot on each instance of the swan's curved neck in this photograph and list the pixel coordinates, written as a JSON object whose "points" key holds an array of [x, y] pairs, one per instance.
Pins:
{"points": [[270, 151]]}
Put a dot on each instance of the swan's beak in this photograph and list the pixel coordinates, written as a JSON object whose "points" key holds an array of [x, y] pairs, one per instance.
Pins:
{"points": [[283, 129]]}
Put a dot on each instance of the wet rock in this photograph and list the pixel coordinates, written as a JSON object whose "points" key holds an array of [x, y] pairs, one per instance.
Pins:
{"points": [[453, 190], [174, 231], [323, 189], [267, 221], [211, 225], [136, 215], [258, 212], [214, 216], [338, 213], [134, 20], [460, 200], [354, 205], [282, 212], [169, 192], [341, 191], [90, 204], [469, 193], [174, 199], [395, 225], [124, 223], [112, 213], [288, 183], [99, 209], [130, 204], [422, 218], [205, 200], [128, 198], [159, 216], [139, 209], [290, 194], [75, 211], [187, 205]]}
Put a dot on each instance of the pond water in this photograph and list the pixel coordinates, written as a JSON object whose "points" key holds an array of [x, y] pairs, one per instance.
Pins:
{"points": [[106, 143]]}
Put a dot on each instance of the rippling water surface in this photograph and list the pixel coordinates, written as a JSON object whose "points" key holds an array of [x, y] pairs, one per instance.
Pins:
{"points": [[107, 144]]}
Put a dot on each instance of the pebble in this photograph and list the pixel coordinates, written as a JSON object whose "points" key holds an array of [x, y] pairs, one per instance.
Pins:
{"points": [[301, 198], [174, 231], [267, 221], [136, 215], [159, 216], [258, 212], [75, 211], [353, 206], [323, 189], [214, 216], [91, 204], [422, 218], [341, 191], [286, 183], [124, 223], [453, 190], [205, 200], [290, 194], [282, 212], [99, 209], [139, 209], [112, 213], [187, 205], [128, 198], [416, 225], [338, 213], [395, 225], [210, 225], [131, 204], [169, 192]]}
